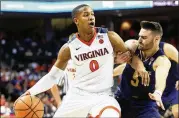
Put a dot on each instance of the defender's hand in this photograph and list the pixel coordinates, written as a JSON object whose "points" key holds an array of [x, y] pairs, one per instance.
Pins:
{"points": [[122, 57], [145, 76], [157, 97]]}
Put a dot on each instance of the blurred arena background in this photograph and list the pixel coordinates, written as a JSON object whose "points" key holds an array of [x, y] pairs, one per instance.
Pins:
{"points": [[32, 32]]}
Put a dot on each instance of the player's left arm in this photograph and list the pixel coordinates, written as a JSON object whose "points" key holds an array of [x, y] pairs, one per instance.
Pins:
{"points": [[161, 66], [55, 93], [172, 53]]}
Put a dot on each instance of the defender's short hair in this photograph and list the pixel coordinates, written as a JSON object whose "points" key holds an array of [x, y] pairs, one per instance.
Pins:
{"points": [[153, 26], [76, 10]]}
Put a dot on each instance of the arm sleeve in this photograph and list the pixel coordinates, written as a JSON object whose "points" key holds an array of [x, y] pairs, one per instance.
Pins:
{"points": [[47, 81]]}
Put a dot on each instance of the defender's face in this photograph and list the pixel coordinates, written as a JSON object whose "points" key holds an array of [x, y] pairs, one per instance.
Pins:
{"points": [[146, 39], [85, 18]]}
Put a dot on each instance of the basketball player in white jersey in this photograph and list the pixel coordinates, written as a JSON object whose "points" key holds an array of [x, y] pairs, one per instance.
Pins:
{"points": [[91, 51], [69, 75], [64, 82]]}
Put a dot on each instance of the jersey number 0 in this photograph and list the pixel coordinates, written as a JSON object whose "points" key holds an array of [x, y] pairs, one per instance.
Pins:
{"points": [[93, 65]]}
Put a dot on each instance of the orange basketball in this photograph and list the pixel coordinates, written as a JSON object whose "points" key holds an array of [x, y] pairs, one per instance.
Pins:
{"points": [[28, 107]]}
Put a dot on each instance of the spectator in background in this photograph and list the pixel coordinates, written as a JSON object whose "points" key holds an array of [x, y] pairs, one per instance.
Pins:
{"points": [[3, 100], [49, 108], [5, 110]]}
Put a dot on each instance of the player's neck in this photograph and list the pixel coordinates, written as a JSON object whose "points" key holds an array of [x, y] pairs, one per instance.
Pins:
{"points": [[86, 36], [149, 53]]}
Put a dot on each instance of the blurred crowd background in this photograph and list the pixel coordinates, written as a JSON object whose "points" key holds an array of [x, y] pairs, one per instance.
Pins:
{"points": [[29, 44]]}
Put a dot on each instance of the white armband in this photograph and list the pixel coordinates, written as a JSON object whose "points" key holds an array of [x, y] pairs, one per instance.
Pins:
{"points": [[47, 81]]}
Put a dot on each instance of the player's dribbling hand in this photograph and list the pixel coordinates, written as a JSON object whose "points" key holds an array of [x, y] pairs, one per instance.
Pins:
{"points": [[122, 57], [144, 75], [157, 97], [177, 85]]}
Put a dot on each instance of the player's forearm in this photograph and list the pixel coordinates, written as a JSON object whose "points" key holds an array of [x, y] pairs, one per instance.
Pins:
{"points": [[161, 76], [46, 82], [136, 63], [55, 93]]}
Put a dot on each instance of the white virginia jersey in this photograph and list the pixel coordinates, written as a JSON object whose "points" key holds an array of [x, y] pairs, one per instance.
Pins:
{"points": [[93, 62], [70, 72]]}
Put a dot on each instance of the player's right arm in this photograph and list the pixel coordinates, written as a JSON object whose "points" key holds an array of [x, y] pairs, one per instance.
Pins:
{"points": [[51, 78]]}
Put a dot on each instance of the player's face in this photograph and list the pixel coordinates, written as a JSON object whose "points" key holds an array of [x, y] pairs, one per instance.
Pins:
{"points": [[146, 39], [85, 18]]}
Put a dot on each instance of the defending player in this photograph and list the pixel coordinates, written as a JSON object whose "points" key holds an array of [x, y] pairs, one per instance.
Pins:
{"points": [[138, 100], [171, 93]]}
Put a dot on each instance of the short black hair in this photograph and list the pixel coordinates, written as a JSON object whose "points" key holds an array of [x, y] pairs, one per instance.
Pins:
{"points": [[76, 10], [153, 26]]}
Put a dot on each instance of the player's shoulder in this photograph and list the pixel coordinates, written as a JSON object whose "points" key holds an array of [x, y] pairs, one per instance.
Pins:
{"points": [[171, 52], [162, 60], [168, 46], [71, 37], [132, 44], [162, 57]]}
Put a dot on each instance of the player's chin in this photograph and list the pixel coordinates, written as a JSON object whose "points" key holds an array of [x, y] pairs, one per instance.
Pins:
{"points": [[140, 47]]}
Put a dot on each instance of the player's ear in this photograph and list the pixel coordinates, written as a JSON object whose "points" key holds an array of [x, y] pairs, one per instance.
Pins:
{"points": [[75, 20], [157, 38]]}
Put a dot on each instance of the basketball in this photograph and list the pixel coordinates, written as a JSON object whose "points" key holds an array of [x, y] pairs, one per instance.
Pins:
{"points": [[28, 107]]}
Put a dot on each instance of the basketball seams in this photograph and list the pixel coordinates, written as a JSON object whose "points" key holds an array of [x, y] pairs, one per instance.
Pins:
{"points": [[35, 113], [28, 106], [27, 114], [19, 109], [34, 108], [39, 110]]}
